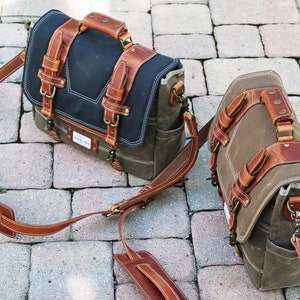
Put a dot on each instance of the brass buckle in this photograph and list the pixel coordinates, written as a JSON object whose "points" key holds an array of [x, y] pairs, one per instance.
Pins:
{"points": [[46, 95], [116, 124], [127, 45]]}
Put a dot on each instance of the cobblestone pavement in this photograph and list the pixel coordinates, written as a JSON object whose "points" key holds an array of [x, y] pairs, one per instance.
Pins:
{"points": [[216, 40]]}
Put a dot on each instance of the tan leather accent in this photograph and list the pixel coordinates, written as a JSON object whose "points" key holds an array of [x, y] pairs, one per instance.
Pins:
{"points": [[6, 211], [113, 27], [149, 277], [265, 160], [121, 83], [294, 204], [227, 115], [176, 92], [54, 61], [12, 66], [53, 81], [277, 105], [39, 230], [81, 127]]}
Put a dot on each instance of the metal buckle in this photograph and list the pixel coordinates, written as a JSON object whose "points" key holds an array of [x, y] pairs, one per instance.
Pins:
{"points": [[127, 45], [46, 95], [115, 211], [116, 124]]}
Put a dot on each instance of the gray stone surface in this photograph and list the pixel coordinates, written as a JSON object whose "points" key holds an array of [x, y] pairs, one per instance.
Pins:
{"points": [[281, 40], [10, 103], [74, 169], [26, 166], [184, 228], [71, 270], [238, 41], [15, 264], [217, 81]]}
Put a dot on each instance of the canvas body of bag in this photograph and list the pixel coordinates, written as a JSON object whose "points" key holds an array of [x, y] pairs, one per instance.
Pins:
{"points": [[92, 87], [255, 144]]}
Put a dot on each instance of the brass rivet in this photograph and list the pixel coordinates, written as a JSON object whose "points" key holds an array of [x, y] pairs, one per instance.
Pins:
{"points": [[92, 16], [94, 149], [69, 136], [95, 141], [105, 20], [277, 101], [69, 129], [282, 112], [118, 25], [272, 92]]}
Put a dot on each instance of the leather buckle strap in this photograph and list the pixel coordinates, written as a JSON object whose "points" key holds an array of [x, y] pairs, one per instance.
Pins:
{"points": [[123, 76], [53, 63]]}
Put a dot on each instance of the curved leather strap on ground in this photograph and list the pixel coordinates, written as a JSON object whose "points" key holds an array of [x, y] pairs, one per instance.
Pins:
{"points": [[170, 176], [146, 271]]}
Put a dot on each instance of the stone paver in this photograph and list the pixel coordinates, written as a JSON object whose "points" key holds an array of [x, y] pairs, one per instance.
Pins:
{"points": [[220, 283], [10, 105], [71, 270], [184, 228], [238, 41], [220, 72], [193, 19], [253, 12], [26, 166], [15, 259], [281, 40], [180, 46], [74, 169]]}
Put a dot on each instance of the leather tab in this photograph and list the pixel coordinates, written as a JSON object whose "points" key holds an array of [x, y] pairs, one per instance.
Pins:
{"points": [[277, 105], [150, 277], [7, 212], [106, 24]]}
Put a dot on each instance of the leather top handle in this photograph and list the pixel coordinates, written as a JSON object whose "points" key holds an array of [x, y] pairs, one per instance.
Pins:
{"points": [[113, 27]]}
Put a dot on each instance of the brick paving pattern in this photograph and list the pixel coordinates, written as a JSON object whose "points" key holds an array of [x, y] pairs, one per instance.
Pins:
{"points": [[184, 228]]}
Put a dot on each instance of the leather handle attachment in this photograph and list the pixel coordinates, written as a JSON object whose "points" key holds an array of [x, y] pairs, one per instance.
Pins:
{"points": [[280, 112], [113, 27]]}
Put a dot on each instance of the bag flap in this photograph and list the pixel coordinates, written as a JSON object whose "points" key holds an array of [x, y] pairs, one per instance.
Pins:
{"points": [[261, 196], [87, 71]]}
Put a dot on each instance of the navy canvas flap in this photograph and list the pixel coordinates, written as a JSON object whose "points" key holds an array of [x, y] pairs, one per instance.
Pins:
{"points": [[87, 71]]}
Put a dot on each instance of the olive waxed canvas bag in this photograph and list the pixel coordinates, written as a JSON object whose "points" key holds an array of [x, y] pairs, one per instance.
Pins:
{"points": [[255, 163]]}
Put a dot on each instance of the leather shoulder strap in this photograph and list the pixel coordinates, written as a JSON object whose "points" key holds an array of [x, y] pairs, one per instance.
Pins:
{"points": [[12, 66]]}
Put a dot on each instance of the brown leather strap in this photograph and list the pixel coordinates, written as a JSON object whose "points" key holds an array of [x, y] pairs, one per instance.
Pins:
{"points": [[115, 28], [118, 89], [253, 172], [145, 271], [278, 108], [53, 62], [170, 176], [12, 66]]}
